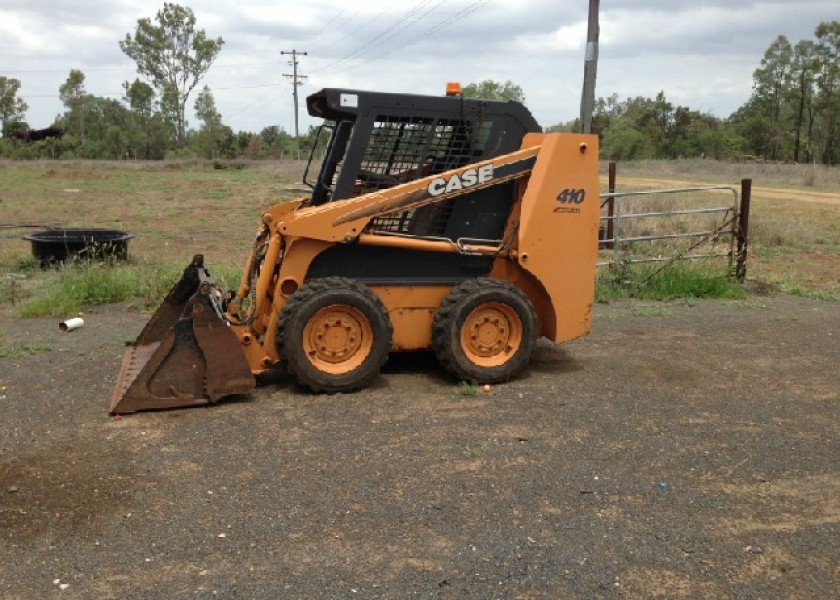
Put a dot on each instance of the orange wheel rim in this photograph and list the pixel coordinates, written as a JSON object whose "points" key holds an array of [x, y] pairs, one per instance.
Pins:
{"points": [[337, 339], [491, 334]]}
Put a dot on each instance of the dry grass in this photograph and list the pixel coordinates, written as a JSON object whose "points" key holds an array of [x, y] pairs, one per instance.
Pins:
{"points": [[794, 235], [786, 175], [180, 208], [176, 209], [644, 250]]}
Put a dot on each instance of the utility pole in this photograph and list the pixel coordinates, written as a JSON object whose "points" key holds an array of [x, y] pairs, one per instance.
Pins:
{"points": [[590, 69], [297, 80]]}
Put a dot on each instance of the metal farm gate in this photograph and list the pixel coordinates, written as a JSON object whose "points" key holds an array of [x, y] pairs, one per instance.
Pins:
{"points": [[669, 225]]}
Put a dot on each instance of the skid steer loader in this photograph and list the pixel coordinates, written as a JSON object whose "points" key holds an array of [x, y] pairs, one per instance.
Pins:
{"points": [[443, 223]]}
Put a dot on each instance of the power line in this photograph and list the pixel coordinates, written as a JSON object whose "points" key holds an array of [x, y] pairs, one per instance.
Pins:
{"points": [[335, 18], [247, 87], [394, 29], [425, 33]]}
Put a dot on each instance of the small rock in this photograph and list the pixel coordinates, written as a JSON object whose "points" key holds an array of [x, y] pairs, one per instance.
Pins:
{"points": [[663, 484], [63, 586], [13, 489]]}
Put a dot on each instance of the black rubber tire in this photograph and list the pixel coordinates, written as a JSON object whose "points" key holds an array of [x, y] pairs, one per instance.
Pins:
{"points": [[304, 304], [457, 306]]}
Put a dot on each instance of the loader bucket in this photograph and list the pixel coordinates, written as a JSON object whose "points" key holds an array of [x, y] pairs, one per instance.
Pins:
{"points": [[173, 305], [185, 356]]}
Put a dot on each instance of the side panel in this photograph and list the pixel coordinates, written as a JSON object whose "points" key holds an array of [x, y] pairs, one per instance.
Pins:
{"points": [[412, 310], [558, 234], [373, 265]]}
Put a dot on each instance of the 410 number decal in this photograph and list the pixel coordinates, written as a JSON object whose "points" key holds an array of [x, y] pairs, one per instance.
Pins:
{"points": [[571, 196], [569, 200]]}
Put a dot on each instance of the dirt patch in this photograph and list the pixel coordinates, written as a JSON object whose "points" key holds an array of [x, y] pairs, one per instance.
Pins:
{"points": [[58, 490], [684, 452]]}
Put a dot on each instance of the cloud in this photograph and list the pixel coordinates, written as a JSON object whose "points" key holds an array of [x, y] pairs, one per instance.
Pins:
{"points": [[701, 54]]}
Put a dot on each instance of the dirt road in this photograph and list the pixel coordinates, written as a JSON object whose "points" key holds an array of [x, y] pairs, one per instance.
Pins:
{"points": [[758, 191], [680, 451]]}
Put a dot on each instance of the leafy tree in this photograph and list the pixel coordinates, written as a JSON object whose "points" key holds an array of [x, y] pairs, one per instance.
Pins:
{"points": [[801, 93], [770, 81], [271, 134], [174, 56], [109, 125], [636, 128], [75, 98], [625, 143], [170, 112], [240, 142], [149, 134], [12, 108], [278, 143], [210, 136], [572, 126], [827, 50], [494, 90], [796, 93], [715, 138], [254, 148], [140, 99]]}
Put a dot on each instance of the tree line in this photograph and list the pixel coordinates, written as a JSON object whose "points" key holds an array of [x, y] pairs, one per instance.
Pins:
{"points": [[793, 113], [149, 121]]}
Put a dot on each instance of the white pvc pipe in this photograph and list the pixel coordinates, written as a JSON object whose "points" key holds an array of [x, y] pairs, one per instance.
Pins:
{"points": [[71, 324]]}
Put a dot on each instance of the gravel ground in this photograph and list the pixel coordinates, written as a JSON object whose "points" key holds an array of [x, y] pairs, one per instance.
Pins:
{"points": [[680, 451]]}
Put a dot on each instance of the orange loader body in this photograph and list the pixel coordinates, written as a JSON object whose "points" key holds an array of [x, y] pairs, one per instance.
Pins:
{"points": [[475, 261]]}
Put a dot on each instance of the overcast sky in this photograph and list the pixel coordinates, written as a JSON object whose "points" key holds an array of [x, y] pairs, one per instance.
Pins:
{"points": [[700, 53]]}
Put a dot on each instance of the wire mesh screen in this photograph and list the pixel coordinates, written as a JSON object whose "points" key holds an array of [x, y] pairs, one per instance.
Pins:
{"points": [[404, 149], [425, 221]]}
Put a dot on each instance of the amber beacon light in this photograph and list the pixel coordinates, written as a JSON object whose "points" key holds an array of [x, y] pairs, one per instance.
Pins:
{"points": [[453, 88]]}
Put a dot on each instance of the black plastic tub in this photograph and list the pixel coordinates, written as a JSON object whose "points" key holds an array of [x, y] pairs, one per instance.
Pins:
{"points": [[58, 245]]}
